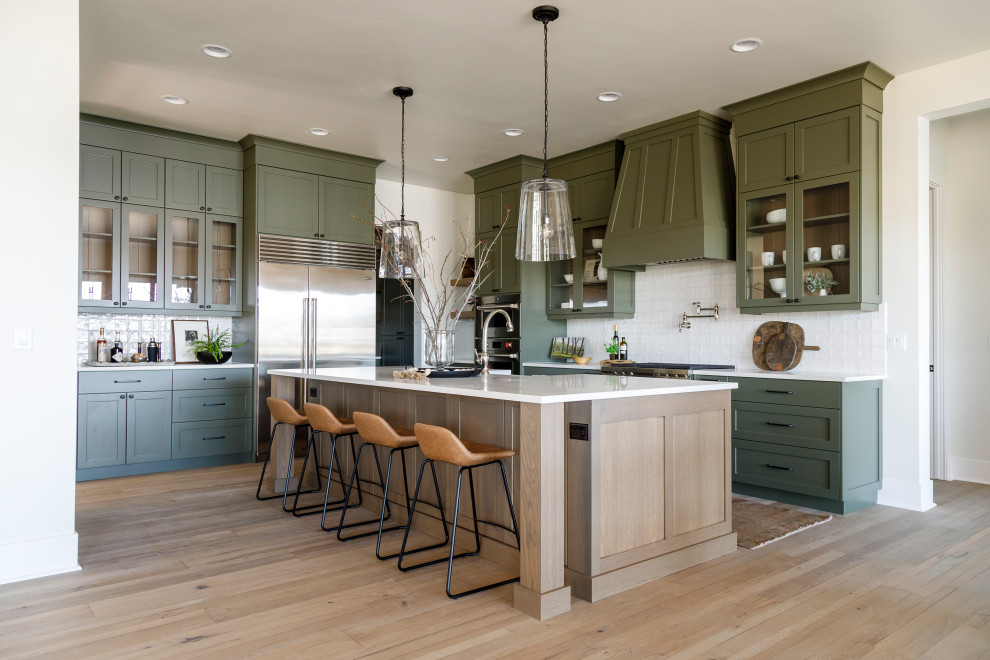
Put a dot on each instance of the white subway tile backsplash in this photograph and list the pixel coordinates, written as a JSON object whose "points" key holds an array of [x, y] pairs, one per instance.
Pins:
{"points": [[133, 328], [851, 342]]}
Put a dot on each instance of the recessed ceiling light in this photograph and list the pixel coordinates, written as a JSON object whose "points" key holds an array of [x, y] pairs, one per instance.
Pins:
{"points": [[513, 132], [174, 100], [608, 97], [215, 50], [441, 159], [746, 45], [319, 131]]}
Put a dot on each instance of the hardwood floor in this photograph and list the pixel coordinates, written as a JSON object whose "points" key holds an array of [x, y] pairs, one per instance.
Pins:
{"points": [[190, 565]]}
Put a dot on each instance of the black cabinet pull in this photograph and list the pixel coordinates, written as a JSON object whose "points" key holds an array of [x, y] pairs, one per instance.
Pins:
{"points": [[130, 396], [127, 381], [797, 176], [123, 304], [789, 300], [787, 178], [797, 300], [779, 467], [216, 437], [209, 208], [780, 391], [789, 426], [116, 303], [217, 378], [201, 306], [575, 309], [117, 197], [125, 199], [121, 396], [316, 235], [207, 405], [209, 307], [202, 208], [323, 235]]}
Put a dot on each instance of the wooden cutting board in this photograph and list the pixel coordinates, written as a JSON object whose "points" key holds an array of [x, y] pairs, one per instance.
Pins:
{"points": [[771, 330], [780, 351]]}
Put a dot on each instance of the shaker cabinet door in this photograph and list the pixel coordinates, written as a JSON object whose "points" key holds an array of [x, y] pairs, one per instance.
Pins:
{"points": [[149, 427], [143, 180], [101, 432], [766, 158], [224, 191], [288, 202], [185, 186], [99, 173], [346, 209]]}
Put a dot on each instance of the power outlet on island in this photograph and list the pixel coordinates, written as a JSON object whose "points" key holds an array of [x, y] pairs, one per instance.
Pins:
{"points": [[578, 431]]}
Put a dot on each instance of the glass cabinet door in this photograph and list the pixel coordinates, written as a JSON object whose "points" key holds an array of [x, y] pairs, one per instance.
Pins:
{"points": [[826, 240], [223, 263], [99, 254], [594, 279], [141, 264], [762, 251], [185, 259]]}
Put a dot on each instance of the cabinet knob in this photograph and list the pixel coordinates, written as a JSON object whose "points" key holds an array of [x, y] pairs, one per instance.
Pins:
{"points": [[125, 199], [797, 300], [316, 235], [117, 197], [209, 307], [209, 208], [796, 177], [202, 208], [787, 178], [789, 301], [130, 396], [201, 306], [121, 396], [123, 304], [494, 226], [116, 303], [323, 235], [576, 220]]}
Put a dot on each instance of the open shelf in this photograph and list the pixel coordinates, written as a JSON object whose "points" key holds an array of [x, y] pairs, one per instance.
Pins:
{"points": [[825, 262], [186, 243], [767, 228], [464, 315], [462, 281], [98, 272], [142, 239], [97, 234], [773, 267], [826, 219]]}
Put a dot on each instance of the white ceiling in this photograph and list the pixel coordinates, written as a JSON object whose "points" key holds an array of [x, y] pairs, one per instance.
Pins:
{"points": [[476, 66]]}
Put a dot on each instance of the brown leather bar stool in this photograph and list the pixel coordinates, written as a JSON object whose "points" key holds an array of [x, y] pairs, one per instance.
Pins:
{"points": [[440, 444], [321, 420], [283, 413], [376, 432]]}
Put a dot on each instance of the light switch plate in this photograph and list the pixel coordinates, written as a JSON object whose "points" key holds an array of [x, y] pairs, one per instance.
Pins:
{"points": [[23, 338], [896, 342]]}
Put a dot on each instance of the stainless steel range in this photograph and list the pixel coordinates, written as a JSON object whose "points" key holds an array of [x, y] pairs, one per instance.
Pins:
{"points": [[661, 369]]}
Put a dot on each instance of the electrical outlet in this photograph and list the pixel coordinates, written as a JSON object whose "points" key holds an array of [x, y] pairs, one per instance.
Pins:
{"points": [[896, 342], [23, 338], [578, 431]]}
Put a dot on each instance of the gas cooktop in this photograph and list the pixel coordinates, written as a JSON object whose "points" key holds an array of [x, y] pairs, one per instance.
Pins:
{"points": [[661, 369]]}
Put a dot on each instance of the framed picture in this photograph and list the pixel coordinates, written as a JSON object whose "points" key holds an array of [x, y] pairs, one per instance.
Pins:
{"points": [[184, 333]]}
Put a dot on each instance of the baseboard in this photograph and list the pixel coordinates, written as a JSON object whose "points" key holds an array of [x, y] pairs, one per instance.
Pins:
{"points": [[907, 494], [969, 469], [34, 558]]}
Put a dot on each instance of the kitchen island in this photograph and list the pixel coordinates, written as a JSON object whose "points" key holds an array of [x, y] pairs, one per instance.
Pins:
{"points": [[616, 481]]}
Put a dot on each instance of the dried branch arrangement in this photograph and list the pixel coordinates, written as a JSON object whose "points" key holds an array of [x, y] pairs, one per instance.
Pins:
{"points": [[439, 304]]}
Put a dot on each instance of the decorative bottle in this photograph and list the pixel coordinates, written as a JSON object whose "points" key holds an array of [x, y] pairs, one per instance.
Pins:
{"points": [[623, 350], [117, 352], [101, 348]]}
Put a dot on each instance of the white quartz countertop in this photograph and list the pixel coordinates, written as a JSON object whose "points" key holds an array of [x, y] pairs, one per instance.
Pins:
{"points": [[526, 389], [792, 375], [166, 365], [564, 365]]}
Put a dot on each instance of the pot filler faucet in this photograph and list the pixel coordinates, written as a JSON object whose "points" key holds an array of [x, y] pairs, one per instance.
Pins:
{"points": [[484, 336]]}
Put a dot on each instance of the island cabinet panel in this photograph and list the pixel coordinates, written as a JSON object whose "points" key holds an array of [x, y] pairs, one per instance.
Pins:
{"points": [[696, 465]]}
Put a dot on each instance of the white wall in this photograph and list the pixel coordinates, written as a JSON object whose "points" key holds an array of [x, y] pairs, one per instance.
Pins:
{"points": [[910, 101], [960, 149], [39, 181], [851, 342], [439, 214]]}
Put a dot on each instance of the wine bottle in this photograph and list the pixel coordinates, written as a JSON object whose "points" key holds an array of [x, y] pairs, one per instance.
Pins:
{"points": [[101, 348], [117, 352], [623, 350], [154, 351]]}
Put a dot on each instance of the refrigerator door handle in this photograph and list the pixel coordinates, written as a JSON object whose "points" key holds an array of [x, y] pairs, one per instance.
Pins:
{"points": [[306, 333], [315, 333]]}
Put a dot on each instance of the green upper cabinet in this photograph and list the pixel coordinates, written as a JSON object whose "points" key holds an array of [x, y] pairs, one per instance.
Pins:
{"points": [[497, 189], [288, 203], [296, 190], [224, 191], [224, 262], [185, 186], [809, 187], [203, 261], [345, 211], [821, 146], [502, 272], [674, 194], [118, 176]]}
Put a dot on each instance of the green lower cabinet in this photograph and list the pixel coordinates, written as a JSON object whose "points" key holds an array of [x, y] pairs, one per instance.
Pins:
{"points": [[149, 420], [214, 438], [808, 443], [101, 430], [396, 350]]}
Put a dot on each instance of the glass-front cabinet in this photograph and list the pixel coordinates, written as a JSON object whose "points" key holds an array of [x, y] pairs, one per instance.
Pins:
{"points": [[581, 287], [120, 255], [223, 263], [203, 261], [800, 244]]}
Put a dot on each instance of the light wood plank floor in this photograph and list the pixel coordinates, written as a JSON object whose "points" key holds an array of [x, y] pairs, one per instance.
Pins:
{"points": [[190, 565]]}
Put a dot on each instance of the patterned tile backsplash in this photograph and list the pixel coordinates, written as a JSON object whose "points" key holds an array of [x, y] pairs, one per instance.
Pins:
{"points": [[133, 328], [851, 342]]}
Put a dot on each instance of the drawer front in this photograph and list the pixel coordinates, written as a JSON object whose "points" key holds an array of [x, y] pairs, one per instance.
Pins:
{"points": [[795, 426], [209, 379], [199, 405], [793, 469], [789, 392], [124, 379], [193, 439]]}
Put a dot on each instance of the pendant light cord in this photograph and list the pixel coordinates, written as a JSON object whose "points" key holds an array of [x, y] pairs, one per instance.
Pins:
{"points": [[402, 193], [546, 98]]}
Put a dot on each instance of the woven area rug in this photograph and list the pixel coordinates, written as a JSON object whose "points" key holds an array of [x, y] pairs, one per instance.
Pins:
{"points": [[757, 524]]}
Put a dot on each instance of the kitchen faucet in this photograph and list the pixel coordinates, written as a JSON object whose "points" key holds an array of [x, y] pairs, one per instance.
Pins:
{"points": [[484, 336]]}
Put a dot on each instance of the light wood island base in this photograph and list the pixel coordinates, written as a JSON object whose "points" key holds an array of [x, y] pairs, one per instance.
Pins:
{"points": [[609, 493]]}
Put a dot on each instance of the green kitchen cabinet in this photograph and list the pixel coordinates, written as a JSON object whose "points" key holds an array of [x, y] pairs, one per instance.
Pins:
{"points": [[497, 189], [288, 203], [674, 194], [203, 261], [112, 175], [808, 443], [224, 191], [345, 211], [809, 181], [593, 292], [497, 208], [121, 256], [149, 419], [501, 273], [102, 430], [396, 317], [198, 187]]}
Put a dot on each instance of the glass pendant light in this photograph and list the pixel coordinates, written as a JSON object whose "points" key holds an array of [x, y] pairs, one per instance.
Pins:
{"points": [[400, 241], [545, 231]]}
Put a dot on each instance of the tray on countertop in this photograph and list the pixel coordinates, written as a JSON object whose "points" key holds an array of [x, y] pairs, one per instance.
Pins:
{"points": [[163, 363], [455, 372]]}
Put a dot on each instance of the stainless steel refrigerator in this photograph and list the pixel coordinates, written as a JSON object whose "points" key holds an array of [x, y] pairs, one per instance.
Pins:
{"points": [[311, 316]]}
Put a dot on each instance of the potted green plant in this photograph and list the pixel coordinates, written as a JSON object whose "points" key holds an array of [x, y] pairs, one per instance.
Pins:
{"points": [[612, 348], [820, 282], [214, 347]]}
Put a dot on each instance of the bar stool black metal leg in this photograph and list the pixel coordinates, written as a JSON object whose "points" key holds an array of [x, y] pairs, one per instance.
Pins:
{"points": [[405, 484], [512, 510], [412, 509], [268, 454], [347, 497], [313, 509], [337, 504], [310, 446]]}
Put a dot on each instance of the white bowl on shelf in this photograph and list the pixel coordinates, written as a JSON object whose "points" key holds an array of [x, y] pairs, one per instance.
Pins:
{"points": [[778, 284], [777, 217], [596, 243], [569, 278]]}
